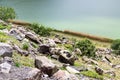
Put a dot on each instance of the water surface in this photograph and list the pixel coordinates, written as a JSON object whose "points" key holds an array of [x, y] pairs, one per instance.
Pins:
{"points": [[97, 17]]}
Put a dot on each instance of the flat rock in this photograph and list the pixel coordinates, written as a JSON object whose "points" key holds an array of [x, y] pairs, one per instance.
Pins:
{"points": [[45, 65], [5, 50], [23, 73], [64, 75]]}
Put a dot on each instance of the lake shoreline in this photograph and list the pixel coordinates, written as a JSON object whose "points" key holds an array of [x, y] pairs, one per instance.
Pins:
{"points": [[89, 36]]}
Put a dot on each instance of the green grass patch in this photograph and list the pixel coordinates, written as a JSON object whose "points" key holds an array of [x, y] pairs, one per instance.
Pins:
{"points": [[22, 60], [92, 74]]}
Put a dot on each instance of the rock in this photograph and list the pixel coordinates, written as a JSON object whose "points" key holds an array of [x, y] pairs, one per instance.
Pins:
{"points": [[111, 73], [80, 68], [64, 75], [44, 49], [51, 43], [66, 57], [32, 37], [20, 51], [7, 59], [117, 66], [5, 67], [22, 73], [45, 65], [72, 70], [17, 34], [57, 41], [34, 74], [77, 51], [55, 57], [55, 51], [5, 50], [99, 70], [93, 62]]}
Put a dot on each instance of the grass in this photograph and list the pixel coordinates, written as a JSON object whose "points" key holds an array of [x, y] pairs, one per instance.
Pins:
{"points": [[92, 74], [25, 46], [22, 60]]}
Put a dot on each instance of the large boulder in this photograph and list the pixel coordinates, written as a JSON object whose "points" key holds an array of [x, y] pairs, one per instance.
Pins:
{"points": [[66, 57], [23, 73], [64, 75], [5, 50], [43, 48], [32, 37], [45, 65]]}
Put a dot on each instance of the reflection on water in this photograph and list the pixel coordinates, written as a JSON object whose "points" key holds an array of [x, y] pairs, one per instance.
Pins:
{"points": [[98, 17]]}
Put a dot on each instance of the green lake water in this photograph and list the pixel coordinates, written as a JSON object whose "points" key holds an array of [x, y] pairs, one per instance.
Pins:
{"points": [[96, 17]]}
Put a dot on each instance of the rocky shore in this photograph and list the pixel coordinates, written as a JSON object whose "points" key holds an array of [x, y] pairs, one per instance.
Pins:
{"points": [[24, 55]]}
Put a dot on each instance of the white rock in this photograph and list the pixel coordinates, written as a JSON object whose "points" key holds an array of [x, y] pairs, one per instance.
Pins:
{"points": [[5, 67]]}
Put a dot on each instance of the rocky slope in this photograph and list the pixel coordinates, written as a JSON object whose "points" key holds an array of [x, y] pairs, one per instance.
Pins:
{"points": [[25, 55]]}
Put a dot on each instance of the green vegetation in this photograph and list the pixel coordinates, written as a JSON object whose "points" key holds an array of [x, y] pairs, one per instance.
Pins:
{"points": [[116, 46], [22, 60], [4, 27], [87, 47], [25, 46], [7, 13], [92, 74], [40, 29], [3, 37]]}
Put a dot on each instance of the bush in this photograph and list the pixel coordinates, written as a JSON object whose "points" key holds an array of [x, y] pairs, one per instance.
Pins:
{"points": [[40, 29], [116, 44], [7, 13], [86, 47]]}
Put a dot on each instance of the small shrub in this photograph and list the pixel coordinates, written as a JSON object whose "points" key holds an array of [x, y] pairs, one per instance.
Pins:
{"points": [[86, 47], [69, 47], [40, 29], [116, 46], [7, 13], [25, 46]]}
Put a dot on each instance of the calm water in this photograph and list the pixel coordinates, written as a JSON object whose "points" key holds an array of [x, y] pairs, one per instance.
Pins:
{"points": [[97, 17]]}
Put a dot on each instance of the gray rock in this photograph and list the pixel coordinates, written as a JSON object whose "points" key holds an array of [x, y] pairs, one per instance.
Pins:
{"points": [[45, 65], [117, 66], [23, 73], [51, 43], [5, 67], [57, 41], [5, 50], [64, 75], [99, 70], [55, 51], [44, 49], [17, 34], [20, 51], [66, 57], [77, 51], [32, 37]]}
